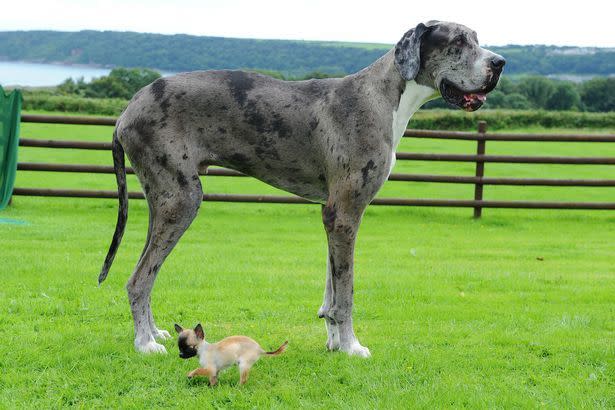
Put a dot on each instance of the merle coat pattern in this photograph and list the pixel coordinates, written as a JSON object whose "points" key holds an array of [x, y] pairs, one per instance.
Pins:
{"points": [[331, 141]]}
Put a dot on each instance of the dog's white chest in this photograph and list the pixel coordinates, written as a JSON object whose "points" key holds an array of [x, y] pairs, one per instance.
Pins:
{"points": [[411, 100]]}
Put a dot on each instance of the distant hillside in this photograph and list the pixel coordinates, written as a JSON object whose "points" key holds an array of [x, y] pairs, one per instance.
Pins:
{"points": [[184, 53]]}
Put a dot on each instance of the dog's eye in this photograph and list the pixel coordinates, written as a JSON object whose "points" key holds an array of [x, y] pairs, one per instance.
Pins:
{"points": [[459, 41]]}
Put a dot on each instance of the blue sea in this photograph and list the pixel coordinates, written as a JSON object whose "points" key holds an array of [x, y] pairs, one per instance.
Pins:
{"points": [[39, 75]]}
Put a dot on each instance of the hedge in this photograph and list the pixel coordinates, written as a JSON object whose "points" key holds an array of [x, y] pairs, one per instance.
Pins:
{"points": [[424, 119]]}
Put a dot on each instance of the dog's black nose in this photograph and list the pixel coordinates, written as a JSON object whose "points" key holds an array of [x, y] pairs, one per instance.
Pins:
{"points": [[497, 63]]}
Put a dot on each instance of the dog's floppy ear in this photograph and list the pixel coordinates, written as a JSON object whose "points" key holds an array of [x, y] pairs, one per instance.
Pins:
{"points": [[178, 328], [198, 330], [408, 51]]}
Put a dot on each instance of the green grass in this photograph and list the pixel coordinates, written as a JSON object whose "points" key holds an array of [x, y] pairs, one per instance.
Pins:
{"points": [[513, 310]]}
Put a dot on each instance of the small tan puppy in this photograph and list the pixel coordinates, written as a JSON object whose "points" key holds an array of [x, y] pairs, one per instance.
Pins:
{"points": [[215, 357]]}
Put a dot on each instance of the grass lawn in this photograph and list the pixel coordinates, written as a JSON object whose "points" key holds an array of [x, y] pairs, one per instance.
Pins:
{"points": [[514, 310]]}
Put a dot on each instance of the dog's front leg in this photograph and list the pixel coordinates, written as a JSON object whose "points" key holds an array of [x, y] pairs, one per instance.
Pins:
{"points": [[206, 372], [333, 334], [341, 220]]}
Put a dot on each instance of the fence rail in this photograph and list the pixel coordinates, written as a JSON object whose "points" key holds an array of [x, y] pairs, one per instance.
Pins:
{"points": [[478, 180]]}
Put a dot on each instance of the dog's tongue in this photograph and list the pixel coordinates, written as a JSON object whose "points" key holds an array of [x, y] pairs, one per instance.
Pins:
{"points": [[472, 97]]}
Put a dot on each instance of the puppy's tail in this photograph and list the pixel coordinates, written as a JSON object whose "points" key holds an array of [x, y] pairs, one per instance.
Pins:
{"points": [[280, 350], [119, 167]]}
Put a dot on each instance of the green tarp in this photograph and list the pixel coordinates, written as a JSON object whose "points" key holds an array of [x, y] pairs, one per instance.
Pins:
{"points": [[10, 110]]}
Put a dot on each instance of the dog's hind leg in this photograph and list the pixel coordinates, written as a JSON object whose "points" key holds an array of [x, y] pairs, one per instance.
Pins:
{"points": [[174, 197], [157, 333]]}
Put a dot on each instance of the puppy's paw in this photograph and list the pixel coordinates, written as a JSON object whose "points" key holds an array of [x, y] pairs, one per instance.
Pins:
{"points": [[161, 334], [150, 347]]}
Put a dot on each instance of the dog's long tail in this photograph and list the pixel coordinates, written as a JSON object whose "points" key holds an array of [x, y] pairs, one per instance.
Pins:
{"points": [[119, 167], [279, 351]]}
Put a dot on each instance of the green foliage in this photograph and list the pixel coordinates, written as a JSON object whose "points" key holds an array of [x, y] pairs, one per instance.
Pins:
{"points": [[537, 90], [599, 94], [120, 83], [516, 101], [547, 60], [72, 104], [565, 97], [507, 119]]}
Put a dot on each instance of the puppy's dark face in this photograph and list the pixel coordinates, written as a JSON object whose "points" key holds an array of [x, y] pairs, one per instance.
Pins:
{"points": [[188, 340]]}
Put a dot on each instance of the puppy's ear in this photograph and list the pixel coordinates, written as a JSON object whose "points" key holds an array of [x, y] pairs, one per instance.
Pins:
{"points": [[408, 51], [198, 330], [178, 328]]}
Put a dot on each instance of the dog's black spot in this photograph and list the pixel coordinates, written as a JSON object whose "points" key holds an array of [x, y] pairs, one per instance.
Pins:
{"points": [[328, 217], [181, 179], [240, 83], [255, 118], [365, 171], [195, 177], [146, 188], [343, 267], [222, 130], [144, 127], [153, 270], [158, 87], [200, 130], [162, 160], [280, 126], [164, 106], [185, 156], [322, 178], [239, 158], [267, 153], [313, 123]]}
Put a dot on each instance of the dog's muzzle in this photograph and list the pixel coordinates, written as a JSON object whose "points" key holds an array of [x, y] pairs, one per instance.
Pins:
{"points": [[187, 355], [472, 100]]}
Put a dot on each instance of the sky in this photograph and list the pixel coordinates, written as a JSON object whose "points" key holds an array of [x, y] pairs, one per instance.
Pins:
{"points": [[586, 23]]}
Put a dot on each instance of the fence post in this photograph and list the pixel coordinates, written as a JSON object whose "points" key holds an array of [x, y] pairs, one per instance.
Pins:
{"points": [[480, 169]]}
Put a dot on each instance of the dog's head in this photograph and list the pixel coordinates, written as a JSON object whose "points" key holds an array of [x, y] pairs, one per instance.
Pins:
{"points": [[189, 340], [447, 57]]}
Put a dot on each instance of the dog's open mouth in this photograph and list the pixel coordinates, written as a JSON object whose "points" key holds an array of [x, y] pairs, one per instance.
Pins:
{"points": [[466, 100]]}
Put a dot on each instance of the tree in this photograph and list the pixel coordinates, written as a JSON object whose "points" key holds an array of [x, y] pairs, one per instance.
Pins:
{"points": [[517, 101], [565, 97], [133, 79], [496, 99], [107, 87], [506, 86], [120, 83], [598, 94], [537, 90]]}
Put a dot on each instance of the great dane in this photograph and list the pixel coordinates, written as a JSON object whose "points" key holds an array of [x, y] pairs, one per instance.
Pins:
{"points": [[331, 141]]}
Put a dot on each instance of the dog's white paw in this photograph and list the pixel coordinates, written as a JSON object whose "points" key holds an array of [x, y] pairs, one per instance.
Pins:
{"points": [[161, 334], [356, 349], [150, 347]]}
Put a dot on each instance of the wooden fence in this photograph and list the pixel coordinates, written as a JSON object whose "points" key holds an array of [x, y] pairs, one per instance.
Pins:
{"points": [[479, 180]]}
